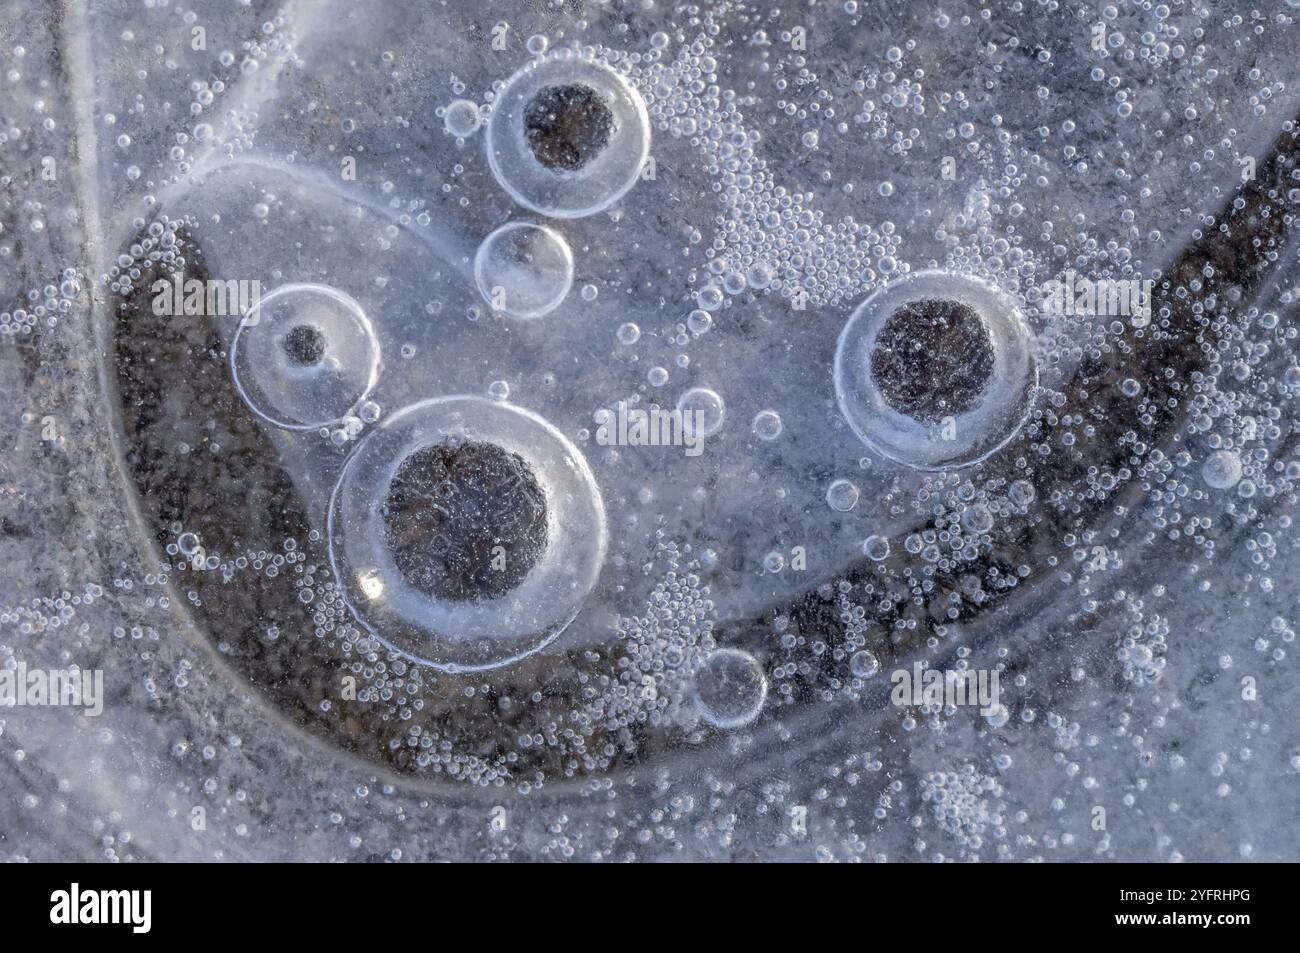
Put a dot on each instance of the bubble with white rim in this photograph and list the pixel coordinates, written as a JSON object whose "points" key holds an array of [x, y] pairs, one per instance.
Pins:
{"points": [[842, 495], [730, 689], [466, 533], [875, 548], [568, 136], [524, 270], [935, 370], [461, 118], [305, 356], [767, 425], [864, 664], [709, 407], [1222, 469]]}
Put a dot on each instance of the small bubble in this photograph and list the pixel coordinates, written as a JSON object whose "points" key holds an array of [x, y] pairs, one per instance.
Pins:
{"points": [[875, 547], [461, 118], [864, 664], [767, 425], [842, 496]]}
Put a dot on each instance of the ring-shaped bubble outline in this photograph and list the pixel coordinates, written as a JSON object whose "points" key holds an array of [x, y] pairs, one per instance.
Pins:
{"points": [[1000, 315], [709, 715], [581, 473], [342, 298], [486, 290], [499, 115]]}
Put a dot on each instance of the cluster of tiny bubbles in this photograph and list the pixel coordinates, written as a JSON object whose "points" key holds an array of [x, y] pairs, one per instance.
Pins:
{"points": [[837, 664], [964, 514], [859, 631], [186, 555], [383, 679], [161, 248], [42, 307], [1222, 469], [1141, 652], [190, 556], [1232, 447], [661, 654], [272, 48], [965, 805], [662, 649], [352, 425], [46, 613], [770, 237]]}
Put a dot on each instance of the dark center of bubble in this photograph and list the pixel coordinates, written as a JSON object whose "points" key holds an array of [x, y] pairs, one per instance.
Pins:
{"points": [[932, 359], [567, 126], [304, 345], [465, 522]]}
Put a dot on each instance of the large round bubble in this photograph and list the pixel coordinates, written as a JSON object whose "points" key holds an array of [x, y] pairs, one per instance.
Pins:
{"points": [[304, 356], [935, 370], [568, 136], [466, 532]]}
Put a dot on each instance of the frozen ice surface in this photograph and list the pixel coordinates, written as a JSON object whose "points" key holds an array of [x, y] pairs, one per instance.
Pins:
{"points": [[754, 601]]}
